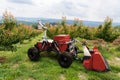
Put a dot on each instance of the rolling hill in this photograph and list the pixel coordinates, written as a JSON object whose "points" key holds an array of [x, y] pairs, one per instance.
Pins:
{"points": [[30, 21]]}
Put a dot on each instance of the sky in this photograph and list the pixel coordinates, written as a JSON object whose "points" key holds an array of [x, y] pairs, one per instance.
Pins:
{"points": [[92, 10]]}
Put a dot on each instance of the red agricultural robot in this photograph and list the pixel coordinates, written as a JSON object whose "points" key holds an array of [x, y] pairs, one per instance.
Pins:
{"points": [[67, 51]]}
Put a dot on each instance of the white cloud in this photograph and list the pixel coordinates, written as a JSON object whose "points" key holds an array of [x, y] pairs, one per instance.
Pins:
{"points": [[84, 9], [21, 1]]}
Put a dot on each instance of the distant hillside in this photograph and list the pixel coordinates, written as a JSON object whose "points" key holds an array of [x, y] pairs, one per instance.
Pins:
{"points": [[0, 19], [30, 21]]}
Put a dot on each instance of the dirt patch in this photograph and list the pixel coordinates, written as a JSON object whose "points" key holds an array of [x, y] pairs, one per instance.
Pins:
{"points": [[116, 41], [82, 76], [116, 58], [31, 78], [2, 59], [119, 74], [62, 77], [15, 65], [115, 61], [100, 44], [96, 42]]}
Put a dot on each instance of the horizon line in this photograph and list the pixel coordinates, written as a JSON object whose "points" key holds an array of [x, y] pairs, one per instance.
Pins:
{"points": [[61, 19]]}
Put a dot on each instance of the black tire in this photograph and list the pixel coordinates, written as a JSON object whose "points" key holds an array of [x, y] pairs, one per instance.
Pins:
{"points": [[33, 54], [65, 59]]}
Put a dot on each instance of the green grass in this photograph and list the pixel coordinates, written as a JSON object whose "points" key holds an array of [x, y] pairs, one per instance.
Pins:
{"points": [[17, 66]]}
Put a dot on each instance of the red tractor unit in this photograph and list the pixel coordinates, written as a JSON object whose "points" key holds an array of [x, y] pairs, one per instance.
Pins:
{"points": [[63, 45], [67, 51]]}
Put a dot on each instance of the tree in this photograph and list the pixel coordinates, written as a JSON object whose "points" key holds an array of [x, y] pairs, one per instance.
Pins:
{"points": [[63, 20], [106, 31], [63, 23], [99, 30], [35, 25], [76, 21], [8, 20]]}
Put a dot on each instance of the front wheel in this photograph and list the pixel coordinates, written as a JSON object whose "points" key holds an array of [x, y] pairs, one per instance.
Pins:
{"points": [[33, 54], [65, 59]]}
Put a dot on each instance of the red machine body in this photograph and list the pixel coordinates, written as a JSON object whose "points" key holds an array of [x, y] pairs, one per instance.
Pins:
{"points": [[62, 45], [44, 45], [62, 41], [96, 61]]}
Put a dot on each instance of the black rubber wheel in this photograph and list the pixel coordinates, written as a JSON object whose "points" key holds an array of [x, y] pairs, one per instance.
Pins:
{"points": [[33, 54], [65, 59]]}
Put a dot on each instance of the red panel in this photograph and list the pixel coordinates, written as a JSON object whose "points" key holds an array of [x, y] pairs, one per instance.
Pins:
{"points": [[62, 47], [61, 40], [98, 62], [88, 63], [39, 45]]}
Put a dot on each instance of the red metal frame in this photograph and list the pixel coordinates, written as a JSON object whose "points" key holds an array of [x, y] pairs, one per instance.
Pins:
{"points": [[61, 41], [96, 61]]}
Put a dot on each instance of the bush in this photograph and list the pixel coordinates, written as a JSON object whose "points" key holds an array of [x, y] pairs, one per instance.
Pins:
{"points": [[35, 25], [8, 20], [7, 37], [10, 34], [118, 48], [106, 31]]}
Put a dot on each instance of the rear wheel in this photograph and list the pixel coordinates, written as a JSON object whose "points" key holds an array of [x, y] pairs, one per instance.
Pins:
{"points": [[65, 59], [33, 54]]}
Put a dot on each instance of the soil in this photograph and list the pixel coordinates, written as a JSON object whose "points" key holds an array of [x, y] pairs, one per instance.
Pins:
{"points": [[116, 41], [96, 42], [2, 59], [62, 77], [15, 65], [82, 76]]}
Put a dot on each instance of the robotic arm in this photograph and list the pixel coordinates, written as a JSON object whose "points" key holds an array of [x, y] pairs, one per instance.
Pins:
{"points": [[41, 26]]}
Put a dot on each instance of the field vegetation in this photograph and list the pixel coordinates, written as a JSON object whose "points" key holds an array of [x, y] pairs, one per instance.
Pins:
{"points": [[104, 31], [15, 64], [12, 33]]}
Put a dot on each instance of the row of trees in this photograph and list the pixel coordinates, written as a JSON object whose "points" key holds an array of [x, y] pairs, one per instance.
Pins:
{"points": [[105, 31], [12, 33]]}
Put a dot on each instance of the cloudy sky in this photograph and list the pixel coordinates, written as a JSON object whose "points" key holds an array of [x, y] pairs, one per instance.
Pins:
{"points": [[93, 10]]}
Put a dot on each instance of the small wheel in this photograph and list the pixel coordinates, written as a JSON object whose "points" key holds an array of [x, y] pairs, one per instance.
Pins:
{"points": [[33, 54], [65, 59]]}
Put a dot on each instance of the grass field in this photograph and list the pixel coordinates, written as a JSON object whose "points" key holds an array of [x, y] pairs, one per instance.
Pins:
{"points": [[17, 66]]}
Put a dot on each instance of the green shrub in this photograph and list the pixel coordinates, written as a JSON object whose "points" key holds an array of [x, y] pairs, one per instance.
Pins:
{"points": [[118, 48], [35, 25], [8, 20], [18, 34], [106, 31]]}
